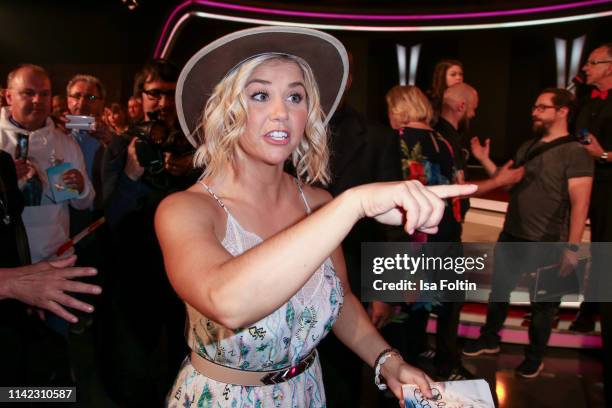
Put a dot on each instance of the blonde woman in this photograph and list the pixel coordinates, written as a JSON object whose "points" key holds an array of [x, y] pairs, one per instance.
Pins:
{"points": [[427, 157], [253, 251]]}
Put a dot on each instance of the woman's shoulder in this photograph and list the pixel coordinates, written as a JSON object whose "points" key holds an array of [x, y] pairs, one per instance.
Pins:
{"points": [[316, 196], [191, 204]]}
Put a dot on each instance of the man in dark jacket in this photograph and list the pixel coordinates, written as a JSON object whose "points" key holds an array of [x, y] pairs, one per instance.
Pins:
{"points": [[360, 153]]}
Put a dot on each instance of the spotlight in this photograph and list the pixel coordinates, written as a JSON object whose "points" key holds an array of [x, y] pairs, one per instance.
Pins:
{"points": [[131, 4]]}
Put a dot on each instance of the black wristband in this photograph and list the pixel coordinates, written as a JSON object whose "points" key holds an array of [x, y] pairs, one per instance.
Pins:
{"points": [[573, 247]]}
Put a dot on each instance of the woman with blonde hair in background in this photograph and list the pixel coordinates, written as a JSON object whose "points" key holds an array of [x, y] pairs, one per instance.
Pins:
{"points": [[429, 158]]}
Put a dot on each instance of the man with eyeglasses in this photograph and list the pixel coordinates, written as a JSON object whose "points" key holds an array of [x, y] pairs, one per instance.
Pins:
{"points": [[85, 95], [30, 136], [595, 118], [549, 204], [156, 85], [148, 340]]}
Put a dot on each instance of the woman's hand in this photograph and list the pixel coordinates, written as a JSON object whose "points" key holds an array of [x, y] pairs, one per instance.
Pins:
{"points": [[397, 372], [409, 203]]}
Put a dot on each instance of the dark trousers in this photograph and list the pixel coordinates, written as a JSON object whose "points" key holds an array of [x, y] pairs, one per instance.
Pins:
{"points": [[505, 278], [31, 354], [447, 306], [601, 231], [447, 352]]}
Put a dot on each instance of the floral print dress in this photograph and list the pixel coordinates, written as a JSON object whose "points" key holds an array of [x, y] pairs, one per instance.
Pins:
{"points": [[277, 341]]}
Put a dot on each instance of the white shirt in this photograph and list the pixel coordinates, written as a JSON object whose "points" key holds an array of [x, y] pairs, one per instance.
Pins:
{"points": [[47, 225]]}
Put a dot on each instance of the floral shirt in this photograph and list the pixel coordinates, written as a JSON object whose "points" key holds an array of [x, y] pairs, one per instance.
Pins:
{"points": [[427, 157]]}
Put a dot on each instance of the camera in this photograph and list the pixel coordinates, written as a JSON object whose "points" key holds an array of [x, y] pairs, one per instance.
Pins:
{"points": [[149, 144], [154, 139]]}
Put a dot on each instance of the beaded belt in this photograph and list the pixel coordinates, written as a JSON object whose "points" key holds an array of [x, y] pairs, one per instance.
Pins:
{"points": [[236, 376]]}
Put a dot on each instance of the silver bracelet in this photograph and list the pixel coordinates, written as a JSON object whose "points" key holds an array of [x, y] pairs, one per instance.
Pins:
{"points": [[380, 360]]}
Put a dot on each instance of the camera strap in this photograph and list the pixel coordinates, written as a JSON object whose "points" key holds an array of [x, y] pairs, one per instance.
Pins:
{"points": [[533, 153]]}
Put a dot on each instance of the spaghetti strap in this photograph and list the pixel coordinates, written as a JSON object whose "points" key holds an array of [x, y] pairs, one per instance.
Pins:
{"points": [[299, 186], [297, 183], [212, 193]]}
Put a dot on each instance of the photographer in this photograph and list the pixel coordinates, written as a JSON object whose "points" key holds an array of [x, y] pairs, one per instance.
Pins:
{"points": [[152, 160]]}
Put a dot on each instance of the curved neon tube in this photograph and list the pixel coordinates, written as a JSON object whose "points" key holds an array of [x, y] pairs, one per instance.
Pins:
{"points": [[363, 17]]}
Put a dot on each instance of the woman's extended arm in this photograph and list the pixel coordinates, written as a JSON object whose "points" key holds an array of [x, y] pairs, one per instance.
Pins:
{"points": [[236, 291], [357, 332]]}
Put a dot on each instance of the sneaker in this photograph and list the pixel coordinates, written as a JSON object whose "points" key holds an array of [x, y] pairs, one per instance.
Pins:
{"points": [[582, 324], [456, 374], [481, 346], [529, 368]]}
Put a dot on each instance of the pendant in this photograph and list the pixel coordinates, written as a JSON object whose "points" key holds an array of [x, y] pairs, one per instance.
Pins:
{"points": [[6, 219]]}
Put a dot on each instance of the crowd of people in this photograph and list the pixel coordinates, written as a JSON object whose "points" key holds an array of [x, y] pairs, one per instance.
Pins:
{"points": [[211, 226]]}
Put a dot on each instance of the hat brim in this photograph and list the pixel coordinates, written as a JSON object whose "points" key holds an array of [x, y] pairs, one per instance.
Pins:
{"points": [[326, 56]]}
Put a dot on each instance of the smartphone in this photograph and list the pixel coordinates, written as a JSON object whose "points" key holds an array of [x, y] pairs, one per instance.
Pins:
{"points": [[583, 136], [81, 122], [23, 147]]}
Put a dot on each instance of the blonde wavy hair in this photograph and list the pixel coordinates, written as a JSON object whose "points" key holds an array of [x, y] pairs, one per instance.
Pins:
{"points": [[406, 103], [224, 120]]}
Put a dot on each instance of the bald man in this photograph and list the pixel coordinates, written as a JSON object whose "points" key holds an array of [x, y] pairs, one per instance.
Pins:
{"points": [[458, 108], [27, 119]]}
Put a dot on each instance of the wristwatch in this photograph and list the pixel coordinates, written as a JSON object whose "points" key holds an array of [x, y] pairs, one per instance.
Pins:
{"points": [[573, 247], [604, 157]]}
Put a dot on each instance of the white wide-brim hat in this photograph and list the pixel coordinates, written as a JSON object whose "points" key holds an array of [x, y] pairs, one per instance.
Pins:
{"points": [[325, 55]]}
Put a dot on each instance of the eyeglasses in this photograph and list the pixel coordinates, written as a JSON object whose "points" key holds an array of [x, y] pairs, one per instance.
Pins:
{"points": [[156, 94], [87, 97], [542, 108], [596, 62]]}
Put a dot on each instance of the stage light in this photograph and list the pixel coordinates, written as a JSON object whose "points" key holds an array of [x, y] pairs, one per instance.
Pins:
{"points": [[131, 4]]}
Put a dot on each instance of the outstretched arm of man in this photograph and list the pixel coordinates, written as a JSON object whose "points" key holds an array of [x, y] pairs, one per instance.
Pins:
{"points": [[481, 153]]}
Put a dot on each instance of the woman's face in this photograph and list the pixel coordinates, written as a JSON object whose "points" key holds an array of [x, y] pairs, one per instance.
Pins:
{"points": [[454, 75], [116, 119], [277, 110]]}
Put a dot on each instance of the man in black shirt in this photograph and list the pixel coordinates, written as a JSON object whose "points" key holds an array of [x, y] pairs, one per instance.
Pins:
{"points": [[458, 108], [596, 118]]}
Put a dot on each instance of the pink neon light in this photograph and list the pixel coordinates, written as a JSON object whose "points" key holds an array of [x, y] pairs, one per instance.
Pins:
{"points": [[398, 17], [520, 336], [381, 17]]}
